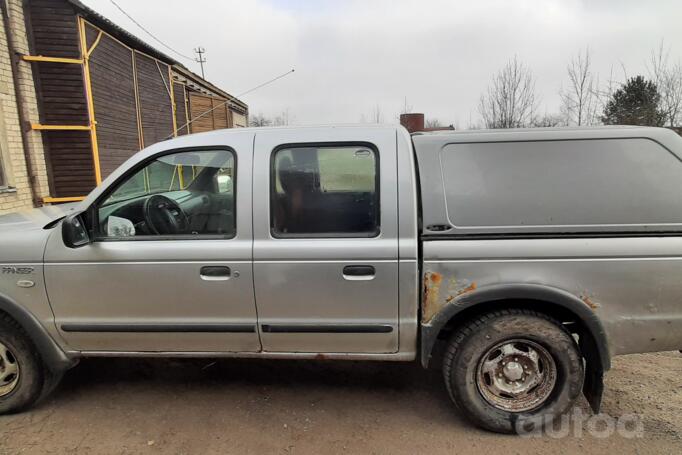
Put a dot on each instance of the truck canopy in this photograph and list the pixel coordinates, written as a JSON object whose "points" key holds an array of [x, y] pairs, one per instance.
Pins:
{"points": [[546, 181]]}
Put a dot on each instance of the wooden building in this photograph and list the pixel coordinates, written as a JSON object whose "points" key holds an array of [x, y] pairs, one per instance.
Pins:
{"points": [[104, 94]]}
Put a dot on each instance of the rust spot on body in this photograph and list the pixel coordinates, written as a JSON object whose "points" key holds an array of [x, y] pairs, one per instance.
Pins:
{"points": [[430, 301], [461, 291], [587, 300], [471, 287]]}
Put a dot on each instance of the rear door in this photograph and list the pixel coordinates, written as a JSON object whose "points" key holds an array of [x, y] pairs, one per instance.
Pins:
{"points": [[326, 240]]}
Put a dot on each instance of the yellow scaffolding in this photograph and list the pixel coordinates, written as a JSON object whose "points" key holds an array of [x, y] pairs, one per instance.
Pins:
{"points": [[40, 58], [92, 127], [56, 200], [85, 53], [40, 127]]}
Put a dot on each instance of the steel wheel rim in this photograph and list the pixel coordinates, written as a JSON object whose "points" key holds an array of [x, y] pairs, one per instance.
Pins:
{"points": [[9, 371], [516, 375]]}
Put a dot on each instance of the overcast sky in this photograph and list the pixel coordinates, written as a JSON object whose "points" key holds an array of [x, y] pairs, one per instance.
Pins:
{"points": [[351, 56]]}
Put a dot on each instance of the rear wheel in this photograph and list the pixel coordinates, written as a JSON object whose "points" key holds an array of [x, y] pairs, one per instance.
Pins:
{"points": [[21, 372], [513, 370]]}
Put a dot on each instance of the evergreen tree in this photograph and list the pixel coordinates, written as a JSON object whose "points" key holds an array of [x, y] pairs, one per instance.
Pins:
{"points": [[637, 102]]}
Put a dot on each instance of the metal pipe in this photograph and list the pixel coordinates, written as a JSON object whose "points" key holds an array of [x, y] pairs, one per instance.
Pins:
{"points": [[23, 121]]}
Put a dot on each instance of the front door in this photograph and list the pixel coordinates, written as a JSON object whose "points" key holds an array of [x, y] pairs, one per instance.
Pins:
{"points": [[170, 269], [326, 240]]}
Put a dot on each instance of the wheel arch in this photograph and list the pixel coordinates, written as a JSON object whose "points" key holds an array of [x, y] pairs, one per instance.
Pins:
{"points": [[52, 355], [554, 302]]}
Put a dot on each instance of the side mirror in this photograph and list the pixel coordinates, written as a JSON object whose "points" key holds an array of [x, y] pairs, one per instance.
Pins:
{"points": [[74, 232]]}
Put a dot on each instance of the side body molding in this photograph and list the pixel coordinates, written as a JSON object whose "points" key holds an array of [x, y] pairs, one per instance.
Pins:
{"points": [[593, 343], [54, 357]]}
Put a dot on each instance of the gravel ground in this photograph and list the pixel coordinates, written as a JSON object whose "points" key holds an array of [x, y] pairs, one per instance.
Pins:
{"points": [[247, 406]]}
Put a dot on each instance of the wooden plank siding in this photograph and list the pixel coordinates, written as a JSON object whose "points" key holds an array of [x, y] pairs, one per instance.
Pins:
{"points": [[220, 113], [156, 109], [62, 94], [198, 105], [219, 117], [53, 28], [71, 163], [61, 97], [113, 94], [180, 108]]}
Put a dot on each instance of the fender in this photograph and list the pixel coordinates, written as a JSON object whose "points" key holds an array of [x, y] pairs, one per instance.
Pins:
{"points": [[539, 297], [52, 355]]}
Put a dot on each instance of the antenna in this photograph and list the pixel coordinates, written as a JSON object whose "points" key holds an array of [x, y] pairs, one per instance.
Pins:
{"points": [[201, 51]]}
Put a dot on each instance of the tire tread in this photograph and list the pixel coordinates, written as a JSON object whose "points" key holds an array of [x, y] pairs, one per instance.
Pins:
{"points": [[465, 331], [36, 370]]}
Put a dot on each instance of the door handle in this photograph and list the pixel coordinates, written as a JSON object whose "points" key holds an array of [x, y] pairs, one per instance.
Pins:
{"points": [[215, 273], [359, 272]]}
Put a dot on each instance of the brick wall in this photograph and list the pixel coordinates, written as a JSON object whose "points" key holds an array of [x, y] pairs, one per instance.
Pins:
{"points": [[18, 195]]}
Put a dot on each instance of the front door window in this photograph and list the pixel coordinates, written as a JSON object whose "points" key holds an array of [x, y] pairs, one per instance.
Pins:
{"points": [[189, 193]]}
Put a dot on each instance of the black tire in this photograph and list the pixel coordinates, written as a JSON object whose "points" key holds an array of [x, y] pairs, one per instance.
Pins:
{"points": [[470, 348], [29, 384]]}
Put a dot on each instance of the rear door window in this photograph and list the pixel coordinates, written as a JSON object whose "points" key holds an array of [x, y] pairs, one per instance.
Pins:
{"points": [[328, 191]]}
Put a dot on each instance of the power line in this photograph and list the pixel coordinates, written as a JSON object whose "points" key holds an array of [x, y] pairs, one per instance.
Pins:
{"points": [[148, 32], [266, 83], [225, 102]]}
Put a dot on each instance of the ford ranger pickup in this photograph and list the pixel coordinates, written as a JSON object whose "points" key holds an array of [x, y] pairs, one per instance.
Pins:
{"points": [[517, 261]]}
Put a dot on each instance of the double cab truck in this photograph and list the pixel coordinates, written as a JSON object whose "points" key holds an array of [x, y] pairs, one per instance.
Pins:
{"points": [[518, 261]]}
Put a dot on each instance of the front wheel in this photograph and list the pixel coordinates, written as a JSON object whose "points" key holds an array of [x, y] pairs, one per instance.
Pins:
{"points": [[513, 371], [21, 372]]}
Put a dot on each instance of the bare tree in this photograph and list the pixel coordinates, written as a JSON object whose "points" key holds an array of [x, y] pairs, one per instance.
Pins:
{"points": [[510, 99], [548, 121], [471, 125], [282, 119], [433, 123], [604, 94], [668, 80], [259, 120], [407, 108], [579, 102], [377, 116]]}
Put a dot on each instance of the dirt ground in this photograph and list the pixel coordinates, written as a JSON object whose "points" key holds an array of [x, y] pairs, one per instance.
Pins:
{"points": [[245, 406]]}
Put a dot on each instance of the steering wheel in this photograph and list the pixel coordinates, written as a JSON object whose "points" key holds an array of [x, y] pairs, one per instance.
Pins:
{"points": [[164, 216]]}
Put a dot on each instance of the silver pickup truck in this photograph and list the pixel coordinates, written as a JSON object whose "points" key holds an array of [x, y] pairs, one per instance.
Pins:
{"points": [[519, 261]]}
